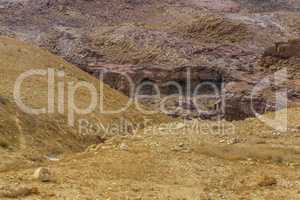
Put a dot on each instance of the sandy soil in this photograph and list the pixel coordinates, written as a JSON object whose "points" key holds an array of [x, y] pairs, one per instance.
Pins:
{"points": [[181, 163]]}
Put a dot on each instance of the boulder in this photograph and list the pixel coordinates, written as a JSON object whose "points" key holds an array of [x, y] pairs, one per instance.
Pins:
{"points": [[284, 50], [43, 174]]}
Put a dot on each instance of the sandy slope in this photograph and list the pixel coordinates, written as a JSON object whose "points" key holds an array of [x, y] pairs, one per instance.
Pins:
{"points": [[36, 136], [173, 165], [253, 162]]}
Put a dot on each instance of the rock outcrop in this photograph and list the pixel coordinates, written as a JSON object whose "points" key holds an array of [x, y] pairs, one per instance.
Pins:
{"points": [[283, 55], [230, 91], [284, 50], [156, 41]]}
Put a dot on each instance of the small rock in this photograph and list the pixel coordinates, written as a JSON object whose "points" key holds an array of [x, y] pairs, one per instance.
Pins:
{"points": [[52, 158], [261, 142], [136, 189], [124, 147], [43, 174], [18, 192], [276, 133], [293, 130], [181, 145], [234, 141], [267, 181]]}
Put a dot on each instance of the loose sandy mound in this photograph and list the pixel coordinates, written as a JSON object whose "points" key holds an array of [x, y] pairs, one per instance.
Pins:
{"points": [[50, 133]]}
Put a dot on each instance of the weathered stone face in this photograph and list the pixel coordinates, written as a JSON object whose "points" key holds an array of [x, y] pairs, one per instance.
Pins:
{"points": [[283, 55], [232, 102], [157, 41], [270, 5], [284, 50]]}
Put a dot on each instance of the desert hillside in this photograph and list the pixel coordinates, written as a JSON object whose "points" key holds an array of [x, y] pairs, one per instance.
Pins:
{"points": [[218, 41], [149, 99], [34, 137]]}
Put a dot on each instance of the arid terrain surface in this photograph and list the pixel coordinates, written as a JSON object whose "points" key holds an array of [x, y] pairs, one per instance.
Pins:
{"points": [[178, 155], [150, 39]]}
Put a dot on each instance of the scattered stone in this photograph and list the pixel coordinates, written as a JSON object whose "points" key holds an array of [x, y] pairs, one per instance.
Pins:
{"points": [[261, 142], [43, 174], [181, 145], [276, 133], [52, 158], [18, 192], [293, 130], [136, 189], [267, 181], [234, 141], [3, 100], [124, 147]]}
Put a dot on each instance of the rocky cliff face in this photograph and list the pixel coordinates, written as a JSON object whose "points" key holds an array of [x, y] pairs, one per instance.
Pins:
{"points": [[158, 41], [283, 55], [284, 50], [271, 5]]}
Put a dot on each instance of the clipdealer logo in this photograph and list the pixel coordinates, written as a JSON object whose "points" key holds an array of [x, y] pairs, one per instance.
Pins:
{"points": [[63, 94], [63, 104]]}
